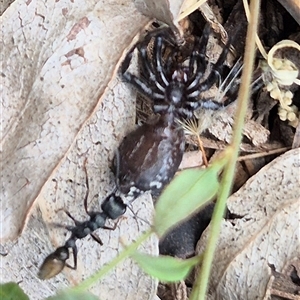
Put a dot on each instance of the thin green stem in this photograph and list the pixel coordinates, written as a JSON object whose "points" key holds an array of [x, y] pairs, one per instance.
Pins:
{"points": [[87, 283], [201, 285]]}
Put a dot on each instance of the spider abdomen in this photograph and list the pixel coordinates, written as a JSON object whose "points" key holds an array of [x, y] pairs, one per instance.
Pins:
{"points": [[149, 158]]}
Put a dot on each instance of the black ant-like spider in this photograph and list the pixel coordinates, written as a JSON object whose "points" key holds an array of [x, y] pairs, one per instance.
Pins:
{"points": [[149, 156], [112, 208]]}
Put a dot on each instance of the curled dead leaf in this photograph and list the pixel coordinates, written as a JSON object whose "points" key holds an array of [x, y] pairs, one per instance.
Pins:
{"points": [[283, 70]]}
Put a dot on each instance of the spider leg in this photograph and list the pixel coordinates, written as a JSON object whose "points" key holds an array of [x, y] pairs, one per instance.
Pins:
{"points": [[159, 108], [211, 79], [208, 104], [197, 72], [71, 244], [126, 62], [198, 58], [169, 60], [148, 69], [186, 111], [142, 87], [194, 81], [157, 50], [139, 84]]}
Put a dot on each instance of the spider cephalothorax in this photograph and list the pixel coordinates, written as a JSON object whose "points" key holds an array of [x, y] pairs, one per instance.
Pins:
{"points": [[173, 87]]}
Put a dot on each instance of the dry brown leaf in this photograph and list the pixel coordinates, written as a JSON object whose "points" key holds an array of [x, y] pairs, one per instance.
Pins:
{"points": [[212, 19], [267, 231], [282, 285], [165, 11], [256, 133], [61, 57], [191, 159], [220, 125]]}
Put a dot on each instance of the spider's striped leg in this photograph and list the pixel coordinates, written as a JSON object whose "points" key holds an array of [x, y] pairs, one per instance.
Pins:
{"points": [[186, 111], [147, 69], [160, 108], [158, 62], [126, 62], [211, 79], [197, 74], [143, 87], [138, 83], [198, 57], [207, 104]]}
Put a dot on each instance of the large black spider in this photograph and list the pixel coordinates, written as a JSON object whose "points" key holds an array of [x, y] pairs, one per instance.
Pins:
{"points": [[174, 88]]}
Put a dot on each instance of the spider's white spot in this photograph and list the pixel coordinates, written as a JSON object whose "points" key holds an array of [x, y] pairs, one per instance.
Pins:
{"points": [[156, 184], [133, 193]]}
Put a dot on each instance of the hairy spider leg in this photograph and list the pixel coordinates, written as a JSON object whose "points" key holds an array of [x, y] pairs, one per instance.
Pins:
{"points": [[148, 71], [126, 62], [157, 50], [161, 36], [169, 60], [211, 79], [187, 110], [138, 83], [198, 57]]}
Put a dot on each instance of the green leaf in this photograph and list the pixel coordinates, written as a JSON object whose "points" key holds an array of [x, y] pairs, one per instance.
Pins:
{"points": [[166, 268], [190, 190], [73, 295], [12, 291]]}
